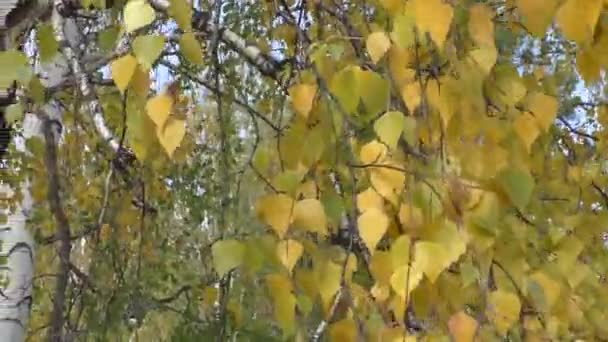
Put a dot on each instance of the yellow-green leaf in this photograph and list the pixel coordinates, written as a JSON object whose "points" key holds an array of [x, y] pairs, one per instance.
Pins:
{"points": [[503, 310], [191, 48], [389, 128], [48, 45], [400, 251], [148, 48], [181, 11], [518, 185], [137, 14], [227, 255]]}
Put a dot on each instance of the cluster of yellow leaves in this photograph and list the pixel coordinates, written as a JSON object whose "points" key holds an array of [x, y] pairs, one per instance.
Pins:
{"points": [[446, 180]]}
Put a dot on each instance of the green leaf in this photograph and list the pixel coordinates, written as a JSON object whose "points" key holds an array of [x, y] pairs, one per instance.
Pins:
{"points": [[191, 48], [389, 128], [409, 130], [13, 113], [48, 45], [148, 48], [14, 66], [227, 254], [107, 38], [518, 185]]}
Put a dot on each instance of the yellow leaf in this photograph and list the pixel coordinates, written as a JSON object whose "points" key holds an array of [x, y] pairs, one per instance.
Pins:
{"points": [[588, 64], [377, 45], [372, 224], [391, 5], [550, 290], [159, 109], [191, 48], [388, 180], [526, 129], [396, 334], [227, 254], [381, 267], [372, 152], [289, 252], [462, 327], [484, 58], [389, 128], [140, 83], [412, 96], [310, 215], [171, 136], [328, 279], [567, 254], [122, 71], [343, 331], [544, 108], [181, 11], [577, 19], [284, 302], [434, 258], [302, 96], [503, 310], [538, 14], [400, 251], [380, 292], [412, 275], [410, 216], [275, 210], [369, 199], [433, 16], [137, 14], [481, 26]]}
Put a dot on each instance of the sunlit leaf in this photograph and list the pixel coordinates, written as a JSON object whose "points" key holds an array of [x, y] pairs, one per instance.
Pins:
{"points": [[171, 135], [433, 16], [372, 224], [377, 45], [123, 69], [310, 215], [302, 96], [276, 211], [289, 252], [137, 14]]}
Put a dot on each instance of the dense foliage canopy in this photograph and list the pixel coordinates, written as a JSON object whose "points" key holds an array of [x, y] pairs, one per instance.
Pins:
{"points": [[378, 170]]}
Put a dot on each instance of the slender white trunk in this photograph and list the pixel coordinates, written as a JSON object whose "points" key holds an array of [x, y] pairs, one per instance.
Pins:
{"points": [[17, 253]]}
